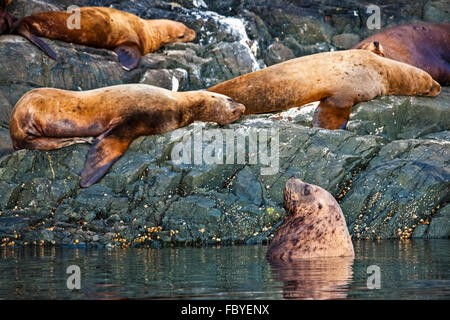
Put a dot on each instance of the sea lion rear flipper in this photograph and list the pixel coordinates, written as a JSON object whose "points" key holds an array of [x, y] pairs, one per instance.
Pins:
{"points": [[22, 29], [106, 150], [333, 112], [129, 56]]}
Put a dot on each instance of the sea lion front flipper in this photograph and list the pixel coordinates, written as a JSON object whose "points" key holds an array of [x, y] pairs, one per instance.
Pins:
{"points": [[6, 21], [104, 152], [333, 112], [23, 30], [129, 56]]}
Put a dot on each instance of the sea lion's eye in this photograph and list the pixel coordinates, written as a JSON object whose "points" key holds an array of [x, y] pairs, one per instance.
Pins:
{"points": [[307, 191], [230, 100], [181, 37]]}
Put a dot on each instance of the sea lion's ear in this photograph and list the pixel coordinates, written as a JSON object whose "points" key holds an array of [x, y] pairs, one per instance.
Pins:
{"points": [[129, 56], [106, 150]]}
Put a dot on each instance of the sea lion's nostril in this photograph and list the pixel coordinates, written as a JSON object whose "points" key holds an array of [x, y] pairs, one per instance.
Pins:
{"points": [[376, 44]]}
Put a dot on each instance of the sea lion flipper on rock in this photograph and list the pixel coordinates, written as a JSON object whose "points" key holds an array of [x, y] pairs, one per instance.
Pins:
{"points": [[51, 143], [23, 30], [104, 152], [6, 21], [333, 112], [129, 56]]}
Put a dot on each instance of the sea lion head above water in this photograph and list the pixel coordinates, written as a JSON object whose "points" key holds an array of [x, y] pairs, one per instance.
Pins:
{"points": [[303, 199], [314, 227]]}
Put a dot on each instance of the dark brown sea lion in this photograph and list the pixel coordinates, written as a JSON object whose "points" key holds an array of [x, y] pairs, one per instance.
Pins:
{"points": [[128, 35], [49, 118], [6, 20], [314, 227], [338, 79], [4, 3], [423, 45]]}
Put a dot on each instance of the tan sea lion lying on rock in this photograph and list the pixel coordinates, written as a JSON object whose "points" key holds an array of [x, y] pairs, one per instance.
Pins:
{"points": [[338, 80], [48, 119], [128, 35]]}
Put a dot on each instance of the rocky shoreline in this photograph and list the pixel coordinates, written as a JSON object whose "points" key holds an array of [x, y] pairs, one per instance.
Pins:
{"points": [[389, 170]]}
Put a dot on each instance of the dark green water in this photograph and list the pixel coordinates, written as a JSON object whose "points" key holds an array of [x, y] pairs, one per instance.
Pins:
{"points": [[408, 270]]}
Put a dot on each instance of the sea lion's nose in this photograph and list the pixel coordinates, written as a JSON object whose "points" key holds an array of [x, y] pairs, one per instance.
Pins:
{"points": [[239, 110], [293, 177]]}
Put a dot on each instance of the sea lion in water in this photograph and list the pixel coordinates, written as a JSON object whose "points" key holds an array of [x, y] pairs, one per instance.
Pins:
{"points": [[127, 35], [314, 227], [338, 79], [423, 45], [48, 119]]}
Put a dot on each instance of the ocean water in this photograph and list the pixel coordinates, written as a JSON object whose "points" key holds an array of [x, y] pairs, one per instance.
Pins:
{"points": [[413, 269]]}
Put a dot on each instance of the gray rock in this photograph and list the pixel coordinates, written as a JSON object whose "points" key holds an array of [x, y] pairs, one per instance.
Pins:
{"points": [[278, 52], [396, 117], [440, 224], [345, 40], [403, 183], [437, 11]]}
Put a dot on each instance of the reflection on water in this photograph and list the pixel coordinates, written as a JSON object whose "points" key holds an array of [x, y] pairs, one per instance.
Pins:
{"points": [[409, 270], [320, 278]]}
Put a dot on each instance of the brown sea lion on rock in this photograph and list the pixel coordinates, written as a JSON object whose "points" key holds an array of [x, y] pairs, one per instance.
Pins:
{"points": [[423, 45], [128, 35], [338, 79], [48, 119], [314, 227]]}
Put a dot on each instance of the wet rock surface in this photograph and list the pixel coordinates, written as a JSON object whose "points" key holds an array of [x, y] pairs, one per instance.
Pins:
{"points": [[389, 170]]}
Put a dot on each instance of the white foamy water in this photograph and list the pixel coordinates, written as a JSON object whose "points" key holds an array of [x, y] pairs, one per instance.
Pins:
{"points": [[235, 27]]}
